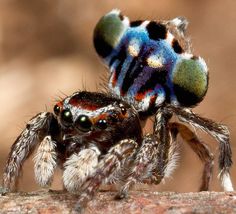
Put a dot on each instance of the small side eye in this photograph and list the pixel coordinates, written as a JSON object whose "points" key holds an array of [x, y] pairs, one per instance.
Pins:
{"points": [[56, 109], [123, 109], [102, 124], [83, 123], [66, 116]]}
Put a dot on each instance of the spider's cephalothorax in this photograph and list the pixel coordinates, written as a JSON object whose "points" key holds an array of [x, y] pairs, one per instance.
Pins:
{"points": [[153, 69], [95, 139]]}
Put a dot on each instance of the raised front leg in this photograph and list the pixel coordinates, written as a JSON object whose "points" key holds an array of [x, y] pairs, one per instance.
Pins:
{"points": [[220, 133], [36, 129]]}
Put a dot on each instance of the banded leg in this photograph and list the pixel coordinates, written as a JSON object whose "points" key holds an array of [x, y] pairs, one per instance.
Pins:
{"points": [[36, 129], [106, 166], [45, 162], [163, 143], [200, 148], [162, 131], [143, 165], [220, 133]]}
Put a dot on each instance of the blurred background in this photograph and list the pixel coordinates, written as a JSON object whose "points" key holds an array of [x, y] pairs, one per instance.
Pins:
{"points": [[46, 51]]}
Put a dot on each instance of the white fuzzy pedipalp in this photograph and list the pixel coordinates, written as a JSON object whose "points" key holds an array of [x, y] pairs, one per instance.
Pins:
{"points": [[78, 167], [45, 162]]}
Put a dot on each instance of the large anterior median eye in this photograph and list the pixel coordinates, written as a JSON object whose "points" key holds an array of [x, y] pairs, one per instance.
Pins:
{"points": [[66, 117], [108, 32], [83, 123]]}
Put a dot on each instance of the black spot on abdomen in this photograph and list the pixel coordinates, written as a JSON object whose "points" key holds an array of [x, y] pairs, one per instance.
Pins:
{"points": [[176, 46], [156, 31], [136, 23]]}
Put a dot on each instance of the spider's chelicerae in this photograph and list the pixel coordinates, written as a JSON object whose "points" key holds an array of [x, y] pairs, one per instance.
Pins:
{"points": [[152, 68], [95, 139]]}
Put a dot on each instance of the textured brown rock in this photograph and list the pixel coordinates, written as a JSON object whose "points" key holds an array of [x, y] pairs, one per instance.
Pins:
{"points": [[138, 202]]}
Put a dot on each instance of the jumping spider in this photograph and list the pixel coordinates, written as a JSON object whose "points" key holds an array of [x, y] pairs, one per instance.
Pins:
{"points": [[95, 139], [152, 68]]}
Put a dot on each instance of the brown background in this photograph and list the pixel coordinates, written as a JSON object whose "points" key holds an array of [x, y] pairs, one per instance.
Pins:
{"points": [[46, 51]]}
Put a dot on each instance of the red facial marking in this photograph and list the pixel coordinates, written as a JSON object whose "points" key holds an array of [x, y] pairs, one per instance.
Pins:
{"points": [[60, 104], [84, 104]]}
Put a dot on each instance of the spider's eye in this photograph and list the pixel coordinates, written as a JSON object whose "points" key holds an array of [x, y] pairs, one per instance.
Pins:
{"points": [[123, 109], [102, 124], [56, 109], [83, 123], [66, 116]]}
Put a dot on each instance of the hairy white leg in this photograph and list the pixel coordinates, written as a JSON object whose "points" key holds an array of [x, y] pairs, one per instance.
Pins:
{"points": [[220, 133]]}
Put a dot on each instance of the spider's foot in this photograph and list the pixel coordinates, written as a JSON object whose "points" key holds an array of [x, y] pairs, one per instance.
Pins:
{"points": [[121, 195], [204, 188], [53, 191], [78, 209]]}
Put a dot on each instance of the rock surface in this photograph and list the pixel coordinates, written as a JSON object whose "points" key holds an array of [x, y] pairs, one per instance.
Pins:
{"points": [[138, 202]]}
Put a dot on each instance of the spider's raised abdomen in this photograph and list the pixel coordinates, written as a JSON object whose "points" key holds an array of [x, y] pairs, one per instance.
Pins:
{"points": [[150, 62]]}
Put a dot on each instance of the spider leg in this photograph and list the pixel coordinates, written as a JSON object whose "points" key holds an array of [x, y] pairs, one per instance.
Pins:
{"points": [[143, 165], [219, 132], [200, 148], [157, 156], [36, 129], [45, 161], [167, 147], [154, 155], [162, 131], [106, 166]]}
